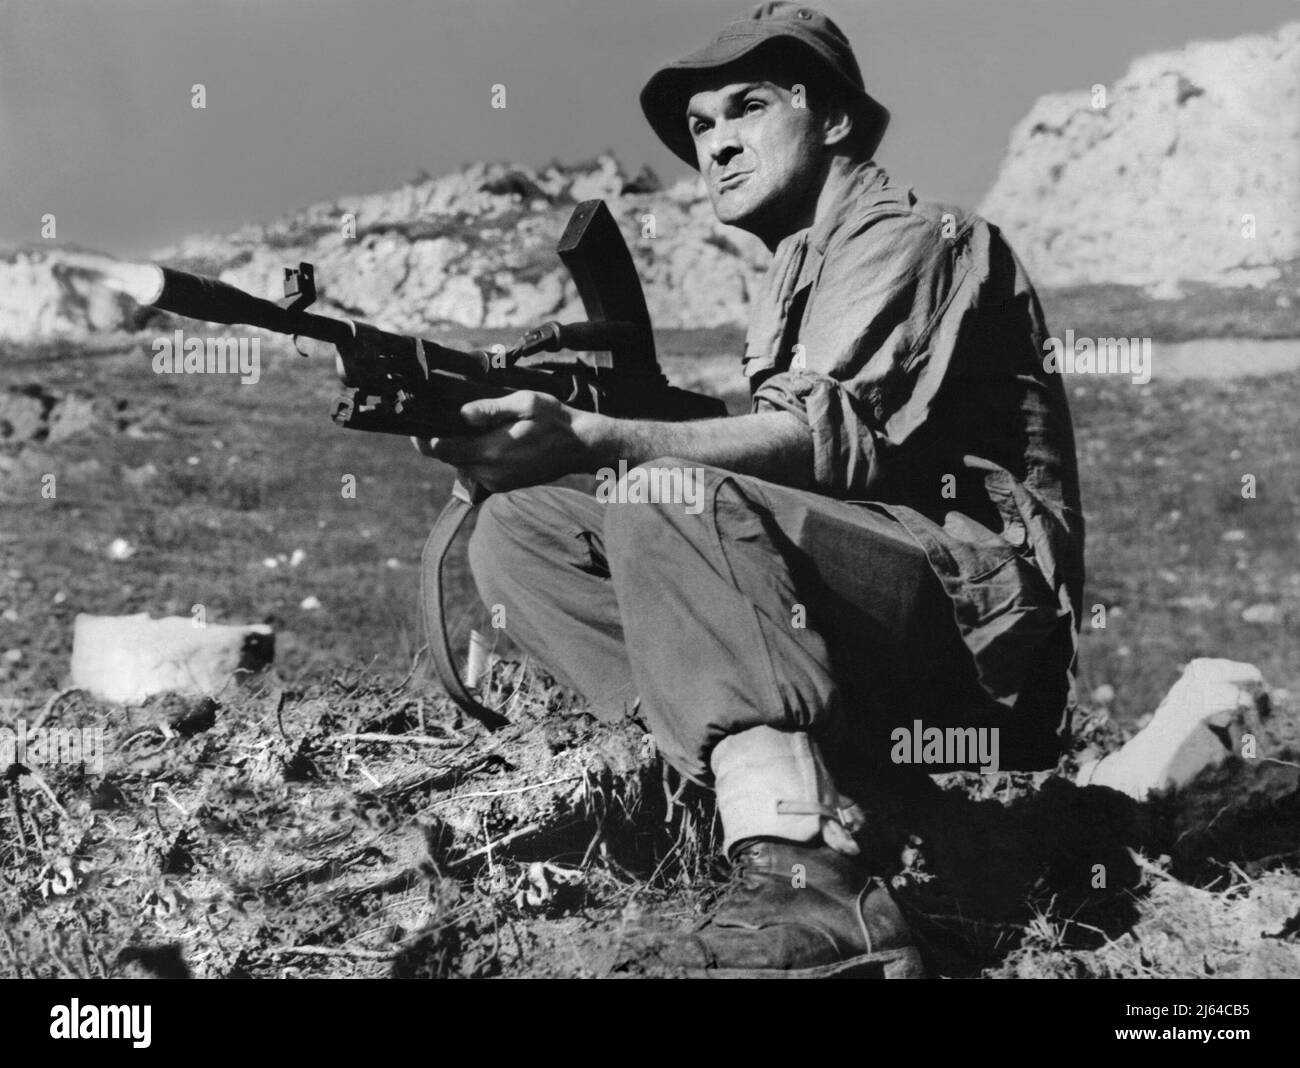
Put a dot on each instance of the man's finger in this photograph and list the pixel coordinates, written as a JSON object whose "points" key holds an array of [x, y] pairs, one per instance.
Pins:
{"points": [[454, 450], [488, 412]]}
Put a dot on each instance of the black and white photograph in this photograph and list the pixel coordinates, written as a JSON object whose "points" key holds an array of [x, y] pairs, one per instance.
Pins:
{"points": [[677, 489]]}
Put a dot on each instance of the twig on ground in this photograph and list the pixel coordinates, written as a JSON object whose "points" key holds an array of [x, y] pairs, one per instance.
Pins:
{"points": [[351, 758], [142, 732], [399, 739], [677, 845], [502, 793], [434, 779], [44, 713], [391, 882], [595, 841], [504, 840], [1145, 865], [410, 674], [159, 787], [332, 951], [279, 717], [16, 807], [309, 873]]}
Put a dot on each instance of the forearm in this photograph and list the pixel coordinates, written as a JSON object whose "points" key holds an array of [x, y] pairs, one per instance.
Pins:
{"points": [[775, 446]]}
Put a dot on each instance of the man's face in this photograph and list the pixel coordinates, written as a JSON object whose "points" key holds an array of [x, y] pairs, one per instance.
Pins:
{"points": [[761, 156]]}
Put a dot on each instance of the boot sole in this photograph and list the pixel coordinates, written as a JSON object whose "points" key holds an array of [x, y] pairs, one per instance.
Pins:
{"points": [[902, 963]]}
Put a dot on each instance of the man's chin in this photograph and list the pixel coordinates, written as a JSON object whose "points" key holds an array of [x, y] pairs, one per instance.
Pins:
{"points": [[731, 213]]}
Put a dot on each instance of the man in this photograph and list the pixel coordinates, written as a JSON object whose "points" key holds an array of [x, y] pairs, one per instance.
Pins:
{"points": [[891, 535]]}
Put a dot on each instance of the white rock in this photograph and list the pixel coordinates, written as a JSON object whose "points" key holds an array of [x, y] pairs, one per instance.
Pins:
{"points": [[1267, 614], [1153, 189], [126, 659], [310, 604], [1214, 700], [120, 549]]}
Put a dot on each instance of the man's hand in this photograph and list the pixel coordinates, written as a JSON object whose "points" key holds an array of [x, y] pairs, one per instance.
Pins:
{"points": [[527, 438], [523, 439]]}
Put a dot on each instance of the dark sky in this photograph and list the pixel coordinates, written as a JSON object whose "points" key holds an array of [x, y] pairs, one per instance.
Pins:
{"points": [[311, 99]]}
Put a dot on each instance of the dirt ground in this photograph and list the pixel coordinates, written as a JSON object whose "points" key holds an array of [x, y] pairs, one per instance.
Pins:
{"points": [[335, 817]]}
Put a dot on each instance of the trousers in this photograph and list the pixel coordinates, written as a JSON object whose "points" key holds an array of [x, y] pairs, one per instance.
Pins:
{"points": [[767, 605]]}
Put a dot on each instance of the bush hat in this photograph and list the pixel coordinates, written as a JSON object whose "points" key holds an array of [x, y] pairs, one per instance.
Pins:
{"points": [[796, 31]]}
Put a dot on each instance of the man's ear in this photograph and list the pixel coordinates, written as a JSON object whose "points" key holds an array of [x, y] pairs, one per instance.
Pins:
{"points": [[837, 123]]}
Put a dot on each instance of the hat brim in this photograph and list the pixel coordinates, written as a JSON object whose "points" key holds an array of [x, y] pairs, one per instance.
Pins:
{"points": [[669, 90]]}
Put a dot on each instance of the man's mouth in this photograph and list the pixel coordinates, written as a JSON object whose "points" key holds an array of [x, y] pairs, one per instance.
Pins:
{"points": [[732, 180]]}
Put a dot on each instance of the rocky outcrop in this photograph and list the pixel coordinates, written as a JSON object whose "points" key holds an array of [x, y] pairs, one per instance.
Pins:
{"points": [[1190, 170], [470, 249], [40, 299]]}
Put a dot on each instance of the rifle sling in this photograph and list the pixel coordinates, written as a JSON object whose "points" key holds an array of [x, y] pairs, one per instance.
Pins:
{"points": [[445, 528]]}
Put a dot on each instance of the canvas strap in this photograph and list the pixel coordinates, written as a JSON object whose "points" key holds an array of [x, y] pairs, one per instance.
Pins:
{"points": [[465, 497]]}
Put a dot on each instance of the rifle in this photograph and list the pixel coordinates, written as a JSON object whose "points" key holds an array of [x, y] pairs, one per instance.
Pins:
{"points": [[396, 384]]}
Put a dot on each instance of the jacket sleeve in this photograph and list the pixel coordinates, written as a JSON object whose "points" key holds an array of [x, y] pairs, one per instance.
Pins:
{"points": [[878, 336]]}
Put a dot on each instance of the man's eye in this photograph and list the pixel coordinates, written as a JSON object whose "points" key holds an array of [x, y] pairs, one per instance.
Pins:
{"points": [[750, 105], [697, 128]]}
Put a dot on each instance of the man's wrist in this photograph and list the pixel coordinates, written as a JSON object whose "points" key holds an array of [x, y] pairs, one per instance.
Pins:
{"points": [[599, 439]]}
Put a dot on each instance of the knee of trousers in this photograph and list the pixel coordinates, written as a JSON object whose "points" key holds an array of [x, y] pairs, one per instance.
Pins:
{"points": [[509, 532], [657, 499]]}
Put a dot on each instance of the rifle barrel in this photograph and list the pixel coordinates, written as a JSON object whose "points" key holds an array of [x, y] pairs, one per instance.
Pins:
{"points": [[196, 297]]}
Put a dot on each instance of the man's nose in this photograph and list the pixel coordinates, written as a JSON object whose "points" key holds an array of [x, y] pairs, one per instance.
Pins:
{"points": [[722, 140]]}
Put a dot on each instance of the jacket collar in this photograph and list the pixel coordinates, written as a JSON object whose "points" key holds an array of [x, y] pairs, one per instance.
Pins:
{"points": [[865, 177]]}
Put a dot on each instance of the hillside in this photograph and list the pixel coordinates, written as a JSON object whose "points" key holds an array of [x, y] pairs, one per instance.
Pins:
{"points": [[1191, 171], [474, 248]]}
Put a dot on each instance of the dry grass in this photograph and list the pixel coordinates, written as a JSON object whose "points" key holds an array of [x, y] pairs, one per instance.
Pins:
{"points": [[275, 840], [362, 829]]}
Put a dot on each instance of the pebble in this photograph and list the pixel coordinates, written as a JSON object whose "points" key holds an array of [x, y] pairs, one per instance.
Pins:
{"points": [[1266, 614]]}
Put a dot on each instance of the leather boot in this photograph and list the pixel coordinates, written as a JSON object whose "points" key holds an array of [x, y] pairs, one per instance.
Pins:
{"points": [[797, 911], [802, 903]]}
